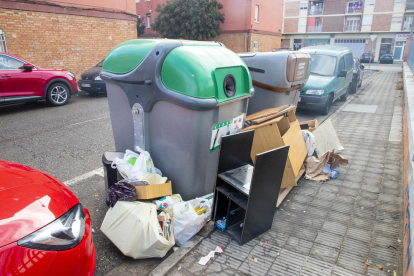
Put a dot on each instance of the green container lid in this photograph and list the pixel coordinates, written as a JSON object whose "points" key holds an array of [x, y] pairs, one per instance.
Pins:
{"points": [[198, 69]]}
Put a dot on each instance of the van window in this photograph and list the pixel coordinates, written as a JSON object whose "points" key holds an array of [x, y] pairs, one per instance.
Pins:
{"points": [[341, 65], [349, 61], [323, 65]]}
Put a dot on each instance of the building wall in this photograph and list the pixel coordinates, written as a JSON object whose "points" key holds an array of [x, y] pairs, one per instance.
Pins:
{"points": [[143, 8], [384, 5], [291, 25], [285, 43], [270, 14], [238, 42], [333, 24], [71, 42], [334, 7], [381, 22], [118, 5], [233, 41], [266, 43], [292, 8]]}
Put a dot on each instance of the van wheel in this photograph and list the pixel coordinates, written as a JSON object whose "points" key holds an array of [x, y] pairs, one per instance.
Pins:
{"points": [[327, 106], [344, 97]]}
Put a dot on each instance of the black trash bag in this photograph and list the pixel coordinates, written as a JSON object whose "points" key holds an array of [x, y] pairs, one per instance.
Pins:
{"points": [[123, 191]]}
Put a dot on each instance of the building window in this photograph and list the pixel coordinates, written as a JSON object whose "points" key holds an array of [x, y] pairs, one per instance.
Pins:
{"points": [[136, 1], [316, 8], [3, 46], [297, 44], [314, 24], [148, 20], [386, 40], [352, 24], [303, 6], [256, 46], [407, 23], [147, 0], [354, 7], [256, 14], [385, 47]]}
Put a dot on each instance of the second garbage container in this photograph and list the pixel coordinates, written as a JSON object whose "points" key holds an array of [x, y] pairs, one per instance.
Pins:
{"points": [[176, 99]]}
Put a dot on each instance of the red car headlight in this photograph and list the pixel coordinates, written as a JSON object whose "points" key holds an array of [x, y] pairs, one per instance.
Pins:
{"points": [[63, 233]]}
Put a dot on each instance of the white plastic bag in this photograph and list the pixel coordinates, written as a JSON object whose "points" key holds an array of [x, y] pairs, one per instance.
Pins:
{"points": [[167, 203], [133, 228], [134, 166], [186, 221], [143, 165], [125, 164]]}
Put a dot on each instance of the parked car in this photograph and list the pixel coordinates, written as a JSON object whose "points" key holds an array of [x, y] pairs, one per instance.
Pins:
{"points": [[386, 58], [22, 81], [367, 58], [91, 82], [330, 76], [44, 229], [357, 76]]}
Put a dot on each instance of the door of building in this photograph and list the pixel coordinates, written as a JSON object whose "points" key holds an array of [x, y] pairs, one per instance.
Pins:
{"points": [[357, 45], [399, 50]]}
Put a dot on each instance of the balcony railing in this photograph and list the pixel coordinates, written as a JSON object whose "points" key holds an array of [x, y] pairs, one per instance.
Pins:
{"points": [[410, 5], [316, 11], [313, 29], [407, 26], [352, 28], [352, 10]]}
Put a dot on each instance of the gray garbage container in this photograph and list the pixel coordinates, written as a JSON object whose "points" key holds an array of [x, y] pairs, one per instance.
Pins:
{"points": [[277, 78], [175, 99]]}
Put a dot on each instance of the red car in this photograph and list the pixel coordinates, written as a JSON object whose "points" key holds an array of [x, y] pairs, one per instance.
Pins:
{"points": [[44, 230], [21, 81]]}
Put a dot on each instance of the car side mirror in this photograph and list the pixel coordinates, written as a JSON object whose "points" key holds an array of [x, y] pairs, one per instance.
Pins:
{"points": [[342, 74], [362, 66], [27, 67]]}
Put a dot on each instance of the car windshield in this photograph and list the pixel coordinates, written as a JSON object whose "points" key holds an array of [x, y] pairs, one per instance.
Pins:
{"points": [[323, 65], [100, 64]]}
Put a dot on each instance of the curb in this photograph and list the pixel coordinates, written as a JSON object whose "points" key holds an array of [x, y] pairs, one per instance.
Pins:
{"points": [[164, 267]]}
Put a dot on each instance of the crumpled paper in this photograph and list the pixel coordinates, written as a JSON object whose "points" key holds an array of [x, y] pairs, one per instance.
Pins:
{"points": [[204, 260]]}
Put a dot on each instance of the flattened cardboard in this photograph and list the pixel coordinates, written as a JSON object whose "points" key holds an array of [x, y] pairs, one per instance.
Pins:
{"points": [[154, 191], [326, 138]]}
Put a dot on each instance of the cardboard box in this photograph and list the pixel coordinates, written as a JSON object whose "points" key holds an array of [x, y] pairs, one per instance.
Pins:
{"points": [[313, 124], [154, 191]]}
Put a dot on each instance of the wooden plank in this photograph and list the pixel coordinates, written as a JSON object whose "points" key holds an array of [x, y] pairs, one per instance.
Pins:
{"points": [[297, 151], [268, 114], [284, 192]]}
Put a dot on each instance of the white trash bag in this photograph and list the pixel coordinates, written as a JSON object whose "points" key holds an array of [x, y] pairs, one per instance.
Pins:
{"points": [[167, 203], [133, 228], [134, 166], [187, 222]]}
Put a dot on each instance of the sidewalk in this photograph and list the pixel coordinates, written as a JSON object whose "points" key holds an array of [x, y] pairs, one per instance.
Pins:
{"points": [[333, 228]]}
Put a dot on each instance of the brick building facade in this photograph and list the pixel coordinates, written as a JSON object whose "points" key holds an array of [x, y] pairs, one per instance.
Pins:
{"points": [[377, 26], [250, 25], [68, 37]]}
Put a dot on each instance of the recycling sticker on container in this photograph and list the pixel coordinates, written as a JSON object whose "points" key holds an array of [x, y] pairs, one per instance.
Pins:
{"points": [[226, 128]]}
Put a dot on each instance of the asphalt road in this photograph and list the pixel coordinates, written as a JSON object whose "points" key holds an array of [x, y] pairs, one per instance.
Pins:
{"points": [[68, 142]]}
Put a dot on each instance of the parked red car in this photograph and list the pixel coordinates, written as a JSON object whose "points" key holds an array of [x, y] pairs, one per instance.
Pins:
{"points": [[44, 230], [21, 81]]}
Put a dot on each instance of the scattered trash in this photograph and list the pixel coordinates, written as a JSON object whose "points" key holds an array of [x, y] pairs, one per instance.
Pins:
{"points": [[167, 202], [261, 243], [388, 264], [362, 208], [367, 263], [96, 195], [93, 231], [221, 224], [392, 246], [204, 260], [395, 272], [175, 248], [179, 268], [315, 166], [309, 141], [250, 264], [399, 241], [255, 260], [334, 173], [380, 267]]}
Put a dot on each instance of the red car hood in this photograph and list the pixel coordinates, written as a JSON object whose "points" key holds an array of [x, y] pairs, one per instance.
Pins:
{"points": [[28, 201]]}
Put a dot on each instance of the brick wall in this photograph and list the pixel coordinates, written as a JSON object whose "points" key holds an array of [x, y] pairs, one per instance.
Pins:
{"points": [[70, 42], [292, 8], [384, 6], [285, 43], [369, 46], [334, 6], [291, 25], [233, 41], [381, 22], [266, 43], [333, 24]]}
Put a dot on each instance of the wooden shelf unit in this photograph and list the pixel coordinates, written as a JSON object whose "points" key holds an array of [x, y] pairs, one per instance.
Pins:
{"points": [[246, 195]]}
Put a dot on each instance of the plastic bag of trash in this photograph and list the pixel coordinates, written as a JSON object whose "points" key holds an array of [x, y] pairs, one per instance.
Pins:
{"points": [[189, 218], [134, 166], [167, 203], [121, 191], [134, 228]]}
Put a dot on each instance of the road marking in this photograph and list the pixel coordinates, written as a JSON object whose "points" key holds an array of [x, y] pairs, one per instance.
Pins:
{"points": [[75, 180]]}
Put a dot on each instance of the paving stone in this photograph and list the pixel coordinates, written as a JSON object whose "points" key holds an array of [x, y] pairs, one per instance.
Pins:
{"points": [[356, 247], [384, 254], [343, 208], [326, 196], [308, 234], [299, 207], [285, 266], [368, 195], [361, 202], [352, 185], [251, 268], [298, 245], [335, 227], [318, 267], [235, 251], [277, 239], [283, 226], [312, 221], [353, 177], [302, 198], [348, 192], [216, 268], [359, 234], [352, 262], [371, 188], [339, 216], [389, 208], [324, 253], [306, 191], [384, 242], [388, 230], [389, 198], [329, 239], [322, 203], [340, 271], [329, 188], [363, 223]]}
